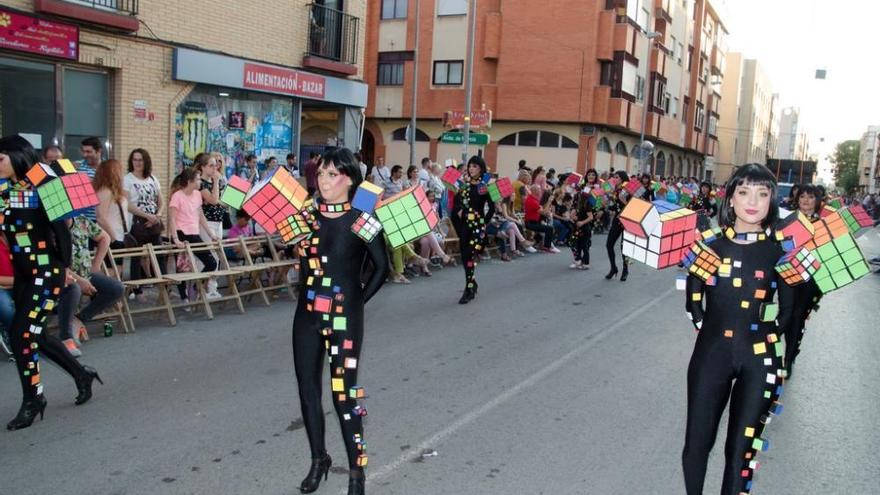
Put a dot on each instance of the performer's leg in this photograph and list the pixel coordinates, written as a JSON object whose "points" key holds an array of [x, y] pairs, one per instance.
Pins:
{"points": [[308, 359]]}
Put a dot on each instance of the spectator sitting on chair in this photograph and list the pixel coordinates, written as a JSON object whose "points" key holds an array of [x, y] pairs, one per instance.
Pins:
{"points": [[88, 280], [429, 245], [7, 306], [534, 214]]}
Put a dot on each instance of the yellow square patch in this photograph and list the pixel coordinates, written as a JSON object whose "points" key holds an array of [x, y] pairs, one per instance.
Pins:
{"points": [[760, 348], [750, 432], [728, 333], [338, 384], [696, 296], [744, 305], [737, 282]]}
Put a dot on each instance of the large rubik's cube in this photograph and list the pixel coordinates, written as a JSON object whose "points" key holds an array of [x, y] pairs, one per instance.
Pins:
{"points": [[798, 266], [63, 191], [406, 216], [500, 189], [794, 231], [635, 188], [274, 199], [856, 218], [574, 179], [670, 231], [842, 260], [701, 261], [367, 197], [235, 192]]}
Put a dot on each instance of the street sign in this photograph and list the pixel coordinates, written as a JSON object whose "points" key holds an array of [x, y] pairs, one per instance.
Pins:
{"points": [[458, 138], [479, 119]]}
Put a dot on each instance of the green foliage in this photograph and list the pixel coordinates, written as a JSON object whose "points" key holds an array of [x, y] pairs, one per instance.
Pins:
{"points": [[846, 161]]}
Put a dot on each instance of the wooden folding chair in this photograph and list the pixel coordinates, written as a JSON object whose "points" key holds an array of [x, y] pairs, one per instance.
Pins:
{"points": [[134, 255]]}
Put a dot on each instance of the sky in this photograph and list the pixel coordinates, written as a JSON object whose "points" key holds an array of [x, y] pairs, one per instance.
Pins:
{"points": [[791, 39]]}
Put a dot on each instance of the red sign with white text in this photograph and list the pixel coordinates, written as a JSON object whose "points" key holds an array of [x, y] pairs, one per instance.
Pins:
{"points": [[287, 81], [24, 33], [479, 119]]}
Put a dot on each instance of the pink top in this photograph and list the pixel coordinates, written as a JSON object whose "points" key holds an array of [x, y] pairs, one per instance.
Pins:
{"points": [[188, 210], [236, 232], [5, 261]]}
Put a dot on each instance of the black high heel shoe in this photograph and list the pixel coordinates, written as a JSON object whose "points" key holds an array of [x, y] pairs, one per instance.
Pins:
{"points": [[320, 467], [624, 275], [611, 274], [28, 413], [356, 485], [466, 296], [475, 289], [84, 385]]}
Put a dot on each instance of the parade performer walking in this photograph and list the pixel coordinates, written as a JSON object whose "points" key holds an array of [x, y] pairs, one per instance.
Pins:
{"points": [[41, 254], [615, 205], [471, 211], [737, 356], [330, 318]]}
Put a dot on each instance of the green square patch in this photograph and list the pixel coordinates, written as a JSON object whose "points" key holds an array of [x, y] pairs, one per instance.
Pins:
{"points": [[859, 270], [408, 233], [409, 201], [233, 197], [23, 240], [340, 324], [395, 239], [42, 259]]}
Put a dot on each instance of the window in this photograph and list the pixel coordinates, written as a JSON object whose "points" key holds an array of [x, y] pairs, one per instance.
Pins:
{"points": [[680, 49], [606, 73], [620, 149], [637, 10], [390, 74], [400, 135], [528, 138], [393, 9], [629, 82], [452, 7], [89, 108], [701, 117], [508, 140], [569, 143], [640, 88], [713, 125], [604, 146], [673, 107], [684, 111], [549, 139], [667, 103], [448, 72]]}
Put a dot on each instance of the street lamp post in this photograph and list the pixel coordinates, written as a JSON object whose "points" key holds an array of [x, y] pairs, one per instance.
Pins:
{"points": [[646, 147], [415, 92], [469, 84]]}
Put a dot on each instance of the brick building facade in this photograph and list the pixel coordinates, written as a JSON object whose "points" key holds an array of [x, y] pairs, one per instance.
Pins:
{"points": [[172, 77], [563, 80]]}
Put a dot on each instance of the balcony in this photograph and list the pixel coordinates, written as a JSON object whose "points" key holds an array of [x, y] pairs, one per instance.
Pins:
{"points": [[116, 14], [333, 41]]}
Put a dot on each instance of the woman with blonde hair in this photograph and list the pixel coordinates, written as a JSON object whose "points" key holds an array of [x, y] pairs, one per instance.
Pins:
{"points": [[112, 211]]}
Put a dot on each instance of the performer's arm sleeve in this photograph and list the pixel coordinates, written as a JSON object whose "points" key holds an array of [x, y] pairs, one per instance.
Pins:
{"points": [[695, 291], [379, 256], [63, 241], [786, 295]]}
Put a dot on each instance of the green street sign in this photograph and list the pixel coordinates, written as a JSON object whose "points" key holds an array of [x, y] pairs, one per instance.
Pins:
{"points": [[458, 138]]}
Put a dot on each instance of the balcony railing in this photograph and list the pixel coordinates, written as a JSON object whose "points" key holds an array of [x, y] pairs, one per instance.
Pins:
{"points": [[126, 7], [333, 34]]}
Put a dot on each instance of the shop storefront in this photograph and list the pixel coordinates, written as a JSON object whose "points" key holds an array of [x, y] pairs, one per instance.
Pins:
{"points": [[241, 107], [44, 95]]}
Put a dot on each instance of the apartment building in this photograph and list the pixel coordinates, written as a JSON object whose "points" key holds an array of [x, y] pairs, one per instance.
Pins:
{"points": [[793, 141], [179, 78], [567, 85], [869, 156], [749, 126]]}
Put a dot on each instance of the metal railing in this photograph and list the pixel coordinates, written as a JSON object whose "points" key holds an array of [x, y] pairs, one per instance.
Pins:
{"points": [[333, 34], [129, 7]]}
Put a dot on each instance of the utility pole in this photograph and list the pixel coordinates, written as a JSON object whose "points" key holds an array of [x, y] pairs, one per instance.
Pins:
{"points": [[643, 145], [469, 83], [415, 92]]}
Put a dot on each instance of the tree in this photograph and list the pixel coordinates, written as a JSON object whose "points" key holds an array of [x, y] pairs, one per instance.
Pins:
{"points": [[846, 165]]}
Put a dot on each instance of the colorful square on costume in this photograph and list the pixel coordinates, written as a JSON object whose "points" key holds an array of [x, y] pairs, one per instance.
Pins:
{"points": [[323, 304], [366, 227], [500, 189], [340, 323], [760, 348], [450, 178], [366, 197], [337, 384], [406, 216], [294, 228]]}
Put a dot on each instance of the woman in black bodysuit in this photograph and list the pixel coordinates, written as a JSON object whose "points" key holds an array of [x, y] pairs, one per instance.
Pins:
{"points": [[471, 211], [618, 200], [41, 252], [704, 206], [806, 295], [330, 318], [738, 354]]}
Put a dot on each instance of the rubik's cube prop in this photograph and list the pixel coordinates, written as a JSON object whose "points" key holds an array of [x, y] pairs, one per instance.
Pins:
{"points": [[235, 192], [367, 197], [450, 178], [574, 179], [500, 189], [635, 188], [658, 234], [798, 266], [827, 210], [294, 228], [275, 199], [702, 262], [406, 216], [63, 191], [834, 246], [794, 231], [857, 219]]}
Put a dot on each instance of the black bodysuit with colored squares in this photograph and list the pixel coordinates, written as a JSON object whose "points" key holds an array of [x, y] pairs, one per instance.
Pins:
{"points": [[329, 320], [469, 216], [40, 251], [737, 357]]}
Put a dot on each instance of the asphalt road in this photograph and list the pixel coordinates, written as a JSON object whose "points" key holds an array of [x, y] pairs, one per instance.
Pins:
{"points": [[553, 382]]}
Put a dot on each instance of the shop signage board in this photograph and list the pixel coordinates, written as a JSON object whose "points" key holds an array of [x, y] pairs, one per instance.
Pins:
{"points": [[30, 34], [479, 119], [458, 138], [279, 80]]}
